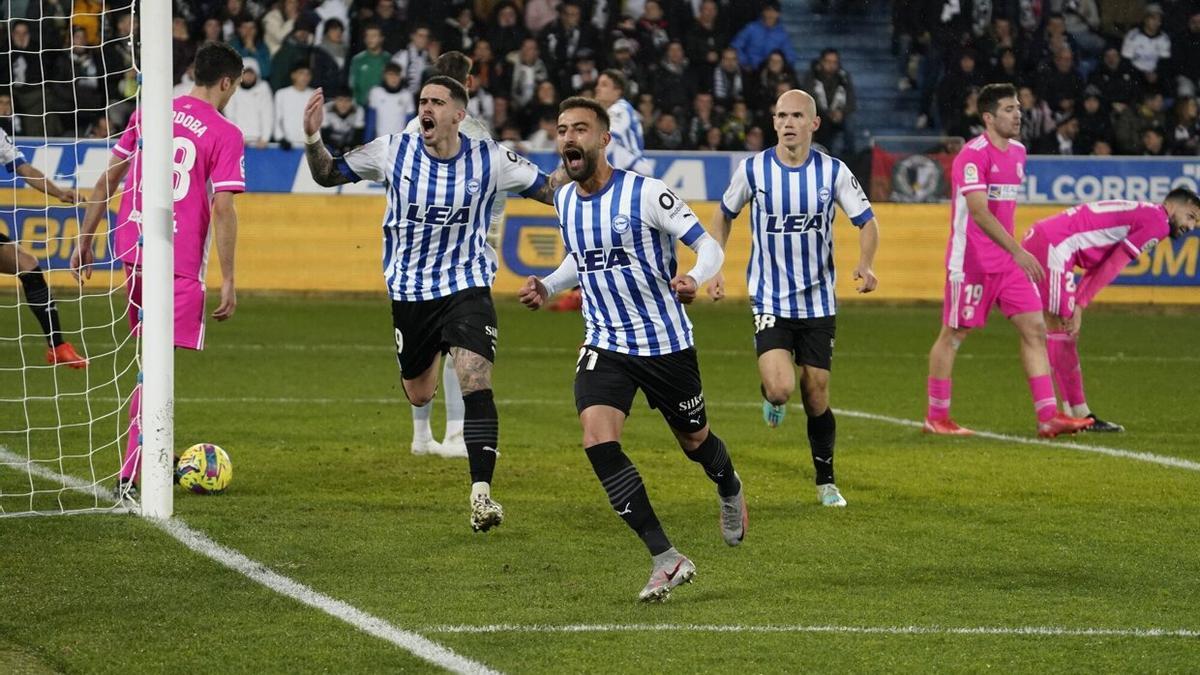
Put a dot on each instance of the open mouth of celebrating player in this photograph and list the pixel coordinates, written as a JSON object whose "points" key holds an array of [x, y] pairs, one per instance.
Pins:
{"points": [[573, 159], [427, 123]]}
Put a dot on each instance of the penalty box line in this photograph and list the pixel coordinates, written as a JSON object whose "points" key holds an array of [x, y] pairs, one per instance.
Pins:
{"points": [[198, 542], [1120, 453]]}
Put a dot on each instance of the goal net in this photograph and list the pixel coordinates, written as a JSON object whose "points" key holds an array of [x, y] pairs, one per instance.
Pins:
{"points": [[69, 83]]}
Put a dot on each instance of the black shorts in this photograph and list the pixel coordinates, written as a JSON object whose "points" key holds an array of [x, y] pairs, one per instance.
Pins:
{"points": [[426, 328], [809, 340], [671, 383]]}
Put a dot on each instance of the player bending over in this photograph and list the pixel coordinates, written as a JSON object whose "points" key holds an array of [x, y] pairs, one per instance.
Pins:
{"points": [[13, 260], [1101, 238], [791, 276], [209, 172], [620, 231], [437, 264], [985, 266]]}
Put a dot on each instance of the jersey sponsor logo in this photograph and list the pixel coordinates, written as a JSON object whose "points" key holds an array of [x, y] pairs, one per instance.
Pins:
{"points": [[620, 223], [796, 223], [598, 260], [970, 173], [1003, 192], [438, 214]]}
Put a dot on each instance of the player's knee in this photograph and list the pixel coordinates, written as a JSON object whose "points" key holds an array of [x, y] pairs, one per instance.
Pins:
{"points": [[419, 395], [777, 393], [690, 441]]}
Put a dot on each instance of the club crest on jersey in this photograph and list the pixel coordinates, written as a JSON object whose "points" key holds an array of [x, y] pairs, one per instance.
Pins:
{"points": [[598, 260], [620, 223], [438, 214], [796, 223], [823, 196], [473, 186]]}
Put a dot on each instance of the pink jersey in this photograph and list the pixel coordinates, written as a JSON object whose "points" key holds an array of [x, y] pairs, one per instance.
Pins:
{"points": [[208, 158], [1083, 236], [982, 166]]}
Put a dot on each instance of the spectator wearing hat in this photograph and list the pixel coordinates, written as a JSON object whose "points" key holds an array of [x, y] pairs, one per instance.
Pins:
{"points": [[252, 109], [758, 39], [1147, 44], [1095, 119]]}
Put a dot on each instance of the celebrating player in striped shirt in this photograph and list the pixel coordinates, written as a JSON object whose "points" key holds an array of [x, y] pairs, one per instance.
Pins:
{"points": [[985, 266], [620, 230], [791, 277], [1101, 238], [209, 170], [14, 260], [456, 66], [437, 263]]}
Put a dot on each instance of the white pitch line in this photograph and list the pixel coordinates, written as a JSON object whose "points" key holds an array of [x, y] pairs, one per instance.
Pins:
{"points": [[198, 542], [1150, 457], [1052, 631]]}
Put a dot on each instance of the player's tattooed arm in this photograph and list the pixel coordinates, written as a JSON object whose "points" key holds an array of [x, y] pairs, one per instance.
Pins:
{"points": [[545, 194], [320, 162]]}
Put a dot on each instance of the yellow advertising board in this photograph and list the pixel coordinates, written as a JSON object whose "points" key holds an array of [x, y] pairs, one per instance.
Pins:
{"points": [[333, 243]]}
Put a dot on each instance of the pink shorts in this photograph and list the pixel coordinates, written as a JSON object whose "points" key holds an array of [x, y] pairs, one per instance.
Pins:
{"points": [[968, 301], [189, 308], [1058, 286]]}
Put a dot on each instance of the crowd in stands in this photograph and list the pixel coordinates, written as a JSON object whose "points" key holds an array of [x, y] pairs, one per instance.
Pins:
{"points": [[1095, 77], [703, 74]]}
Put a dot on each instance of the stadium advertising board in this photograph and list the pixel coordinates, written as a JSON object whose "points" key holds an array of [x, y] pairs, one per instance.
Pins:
{"points": [[326, 233]]}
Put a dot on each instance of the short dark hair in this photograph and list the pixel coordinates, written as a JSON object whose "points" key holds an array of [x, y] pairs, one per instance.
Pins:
{"points": [[393, 68], [457, 91], [1182, 194], [454, 65], [590, 104], [617, 77], [829, 50], [990, 95], [215, 60]]}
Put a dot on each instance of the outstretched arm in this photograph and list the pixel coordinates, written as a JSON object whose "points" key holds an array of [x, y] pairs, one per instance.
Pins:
{"points": [[38, 181], [320, 162]]}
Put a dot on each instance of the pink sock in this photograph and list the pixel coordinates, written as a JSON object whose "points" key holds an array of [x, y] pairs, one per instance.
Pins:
{"points": [[1063, 351], [1043, 397], [939, 399], [129, 467]]}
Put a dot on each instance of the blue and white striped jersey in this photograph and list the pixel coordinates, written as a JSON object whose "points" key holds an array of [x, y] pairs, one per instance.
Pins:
{"points": [[791, 272], [628, 146], [622, 239], [438, 210]]}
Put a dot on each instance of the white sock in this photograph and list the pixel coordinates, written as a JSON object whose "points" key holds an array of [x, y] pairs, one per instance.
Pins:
{"points": [[421, 415], [480, 488], [1081, 410], [454, 401]]}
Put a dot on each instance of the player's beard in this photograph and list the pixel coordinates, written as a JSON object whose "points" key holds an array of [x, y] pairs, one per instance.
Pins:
{"points": [[585, 169], [1175, 230]]}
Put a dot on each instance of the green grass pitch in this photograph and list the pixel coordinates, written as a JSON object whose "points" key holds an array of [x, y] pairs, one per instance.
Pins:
{"points": [[949, 533]]}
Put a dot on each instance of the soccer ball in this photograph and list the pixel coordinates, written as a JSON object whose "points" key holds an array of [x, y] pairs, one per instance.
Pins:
{"points": [[204, 469]]}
